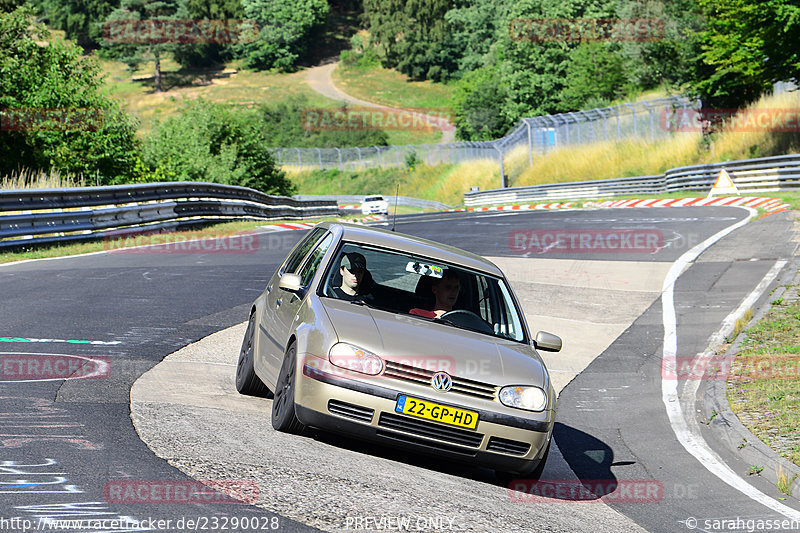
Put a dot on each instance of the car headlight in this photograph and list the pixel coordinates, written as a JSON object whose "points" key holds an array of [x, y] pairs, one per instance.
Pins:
{"points": [[521, 397], [356, 359]]}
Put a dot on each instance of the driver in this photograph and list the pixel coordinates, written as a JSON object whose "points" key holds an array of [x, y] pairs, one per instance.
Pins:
{"points": [[353, 270], [445, 293]]}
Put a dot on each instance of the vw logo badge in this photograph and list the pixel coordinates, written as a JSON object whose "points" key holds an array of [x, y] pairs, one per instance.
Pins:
{"points": [[442, 381]]}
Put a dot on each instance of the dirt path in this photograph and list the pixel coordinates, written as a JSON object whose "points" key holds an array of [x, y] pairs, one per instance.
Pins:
{"points": [[319, 78]]}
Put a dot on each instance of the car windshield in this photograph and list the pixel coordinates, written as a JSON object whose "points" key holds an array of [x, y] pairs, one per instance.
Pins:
{"points": [[423, 288], [373, 199]]}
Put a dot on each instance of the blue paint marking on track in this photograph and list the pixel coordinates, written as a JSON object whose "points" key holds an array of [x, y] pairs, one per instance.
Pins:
{"points": [[20, 486]]}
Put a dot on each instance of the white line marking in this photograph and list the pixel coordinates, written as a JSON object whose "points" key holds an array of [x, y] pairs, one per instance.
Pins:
{"points": [[690, 438]]}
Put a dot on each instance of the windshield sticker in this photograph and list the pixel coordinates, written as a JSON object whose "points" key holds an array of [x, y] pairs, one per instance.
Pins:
{"points": [[425, 270]]}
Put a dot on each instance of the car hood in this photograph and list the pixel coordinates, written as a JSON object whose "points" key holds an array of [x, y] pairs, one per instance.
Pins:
{"points": [[413, 341]]}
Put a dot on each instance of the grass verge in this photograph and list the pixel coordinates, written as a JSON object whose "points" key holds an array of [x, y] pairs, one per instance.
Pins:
{"points": [[230, 85], [764, 386], [388, 87]]}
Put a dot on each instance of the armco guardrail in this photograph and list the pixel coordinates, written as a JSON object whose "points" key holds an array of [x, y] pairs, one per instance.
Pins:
{"points": [[766, 174], [355, 199], [30, 216]]}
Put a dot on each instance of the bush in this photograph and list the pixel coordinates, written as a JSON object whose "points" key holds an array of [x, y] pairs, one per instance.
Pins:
{"points": [[478, 103], [286, 125], [361, 53], [61, 119], [213, 142]]}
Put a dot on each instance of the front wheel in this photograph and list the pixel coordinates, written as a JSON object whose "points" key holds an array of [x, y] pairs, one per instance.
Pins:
{"points": [[247, 382], [283, 414]]}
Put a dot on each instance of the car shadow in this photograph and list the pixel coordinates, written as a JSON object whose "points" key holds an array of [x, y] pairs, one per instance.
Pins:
{"points": [[589, 458], [421, 460]]}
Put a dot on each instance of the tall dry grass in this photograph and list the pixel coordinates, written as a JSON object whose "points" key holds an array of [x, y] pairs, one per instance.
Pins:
{"points": [[737, 142], [606, 160], [39, 179]]}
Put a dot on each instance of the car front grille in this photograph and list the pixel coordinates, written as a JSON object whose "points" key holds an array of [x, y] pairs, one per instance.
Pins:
{"points": [[349, 410], [421, 428], [511, 447], [413, 374]]}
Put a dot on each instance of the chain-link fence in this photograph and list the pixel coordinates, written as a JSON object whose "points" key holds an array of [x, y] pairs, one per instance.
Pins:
{"points": [[645, 120]]}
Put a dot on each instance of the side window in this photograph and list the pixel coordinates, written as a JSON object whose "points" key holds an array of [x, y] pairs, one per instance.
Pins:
{"points": [[302, 250], [310, 267]]}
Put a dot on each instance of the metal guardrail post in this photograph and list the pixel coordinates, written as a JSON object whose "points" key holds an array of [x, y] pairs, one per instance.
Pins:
{"points": [[530, 143], [503, 183]]}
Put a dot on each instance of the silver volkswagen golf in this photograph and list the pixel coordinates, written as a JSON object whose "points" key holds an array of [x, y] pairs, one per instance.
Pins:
{"points": [[404, 341]]}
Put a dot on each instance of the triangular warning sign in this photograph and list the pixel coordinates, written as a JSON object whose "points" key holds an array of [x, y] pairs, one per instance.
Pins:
{"points": [[723, 185]]}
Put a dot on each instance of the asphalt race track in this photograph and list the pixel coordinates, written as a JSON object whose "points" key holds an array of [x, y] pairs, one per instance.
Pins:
{"points": [[71, 450]]}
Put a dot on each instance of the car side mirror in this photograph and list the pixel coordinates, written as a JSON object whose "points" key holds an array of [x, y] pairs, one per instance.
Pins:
{"points": [[290, 283], [547, 342]]}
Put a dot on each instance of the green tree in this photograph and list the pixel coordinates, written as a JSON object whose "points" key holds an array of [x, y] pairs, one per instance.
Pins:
{"points": [[665, 57], [478, 103], [595, 76], [54, 113], [208, 54], [286, 31], [7, 6], [412, 36], [213, 142], [747, 46], [474, 28], [124, 41], [81, 20]]}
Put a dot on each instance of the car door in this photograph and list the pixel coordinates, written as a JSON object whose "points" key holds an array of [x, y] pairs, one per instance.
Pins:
{"points": [[287, 304], [271, 345]]}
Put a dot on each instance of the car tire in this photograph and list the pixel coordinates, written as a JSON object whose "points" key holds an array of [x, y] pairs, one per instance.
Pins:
{"points": [[283, 412], [247, 382], [533, 473]]}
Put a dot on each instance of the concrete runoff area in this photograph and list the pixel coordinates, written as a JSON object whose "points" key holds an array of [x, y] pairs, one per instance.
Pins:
{"points": [[187, 410]]}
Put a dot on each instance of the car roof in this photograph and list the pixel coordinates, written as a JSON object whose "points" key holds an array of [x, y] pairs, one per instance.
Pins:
{"points": [[413, 245]]}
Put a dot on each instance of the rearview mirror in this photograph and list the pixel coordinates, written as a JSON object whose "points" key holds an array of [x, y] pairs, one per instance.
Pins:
{"points": [[290, 282], [547, 342]]}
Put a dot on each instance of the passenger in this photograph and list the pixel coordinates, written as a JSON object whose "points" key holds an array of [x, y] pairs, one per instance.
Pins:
{"points": [[353, 270], [445, 292]]}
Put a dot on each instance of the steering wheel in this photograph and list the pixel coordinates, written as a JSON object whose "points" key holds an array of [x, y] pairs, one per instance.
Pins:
{"points": [[469, 320]]}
